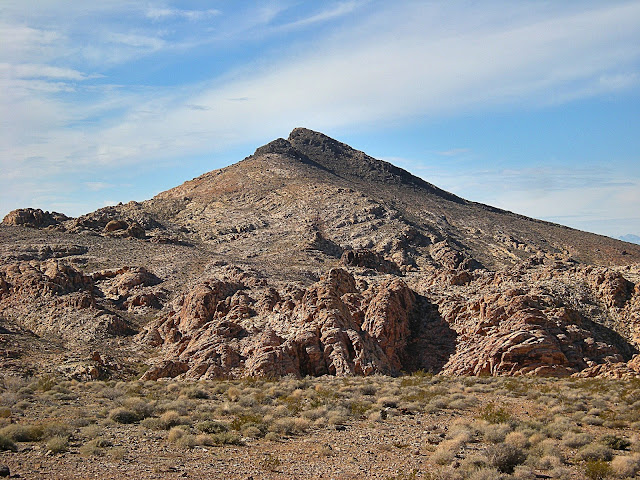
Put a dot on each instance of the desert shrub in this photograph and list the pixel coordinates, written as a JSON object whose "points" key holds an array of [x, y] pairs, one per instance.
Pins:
{"points": [[559, 427], [141, 408], [54, 429], [368, 390], [615, 442], [289, 425], [517, 439], [576, 440], [242, 419], [91, 431], [446, 451], [493, 414], [505, 457], [486, 473], [181, 436], [22, 433], [168, 419], [58, 444], [404, 475], [592, 420], [226, 438], [253, 430], [45, 382], [7, 444], [196, 392], [548, 462], [496, 432], [594, 452], [212, 426], [123, 415], [625, 466], [270, 462], [597, 469], [95, 447]]}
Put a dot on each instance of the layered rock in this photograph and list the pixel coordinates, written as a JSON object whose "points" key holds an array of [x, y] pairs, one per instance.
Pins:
{"points": [[335, 326], [54, 298]]}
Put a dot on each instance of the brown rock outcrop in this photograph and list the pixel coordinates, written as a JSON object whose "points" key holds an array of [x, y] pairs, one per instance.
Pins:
{"points": [[33, 217]]}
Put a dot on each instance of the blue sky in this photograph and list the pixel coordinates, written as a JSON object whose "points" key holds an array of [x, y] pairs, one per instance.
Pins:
{"points": [[529, 106]]}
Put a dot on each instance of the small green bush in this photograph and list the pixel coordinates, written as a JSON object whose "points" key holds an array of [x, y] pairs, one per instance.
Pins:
{"points": [[212, 426], [505, 457], [597, 469], [615, 442], [123, 415], [7, 444], [494, 415]]}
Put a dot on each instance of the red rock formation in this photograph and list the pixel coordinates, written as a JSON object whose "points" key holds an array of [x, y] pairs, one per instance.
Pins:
{"points": [[329, 328]]}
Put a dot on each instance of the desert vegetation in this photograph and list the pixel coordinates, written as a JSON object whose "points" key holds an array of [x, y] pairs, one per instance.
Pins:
{"points": [[432, 427]]}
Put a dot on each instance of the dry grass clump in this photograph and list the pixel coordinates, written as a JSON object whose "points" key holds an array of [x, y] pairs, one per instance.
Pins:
{"points": [[96, 447], [23, 433], [505, 457], [576, 440], [58, 444], [594, 452], [625, 466], [123, 415]]}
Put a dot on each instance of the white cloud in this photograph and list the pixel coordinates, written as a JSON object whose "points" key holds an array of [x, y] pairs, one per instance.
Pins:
{"points": [[137, 41], [339, 10], [32, 70], [165, 13]]}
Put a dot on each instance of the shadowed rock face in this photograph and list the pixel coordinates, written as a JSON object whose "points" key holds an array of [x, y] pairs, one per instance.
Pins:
{"points": [[309, 258]]}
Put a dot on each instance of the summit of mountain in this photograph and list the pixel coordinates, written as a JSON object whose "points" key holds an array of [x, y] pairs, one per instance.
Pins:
{"points": [[312, 184]]}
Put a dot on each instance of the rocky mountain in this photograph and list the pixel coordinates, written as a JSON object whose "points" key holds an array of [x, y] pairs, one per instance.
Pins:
{"points": [[309, 258]]}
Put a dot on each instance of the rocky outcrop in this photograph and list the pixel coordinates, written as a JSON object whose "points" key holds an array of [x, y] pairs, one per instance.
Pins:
{"points": [[55, 298], [366, 258], [42, 252], [128, 220], [33, 217], [221, 328], [517, 333], [549, 317]]}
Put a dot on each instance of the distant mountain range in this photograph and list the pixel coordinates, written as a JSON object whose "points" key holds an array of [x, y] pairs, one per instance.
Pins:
{"points": [[631, 238]]}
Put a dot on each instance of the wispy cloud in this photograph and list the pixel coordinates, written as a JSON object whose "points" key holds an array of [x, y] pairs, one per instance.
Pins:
{"points": [[97, 186], [453, 152], [167, 13], [32, 70], [332, 13]]}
